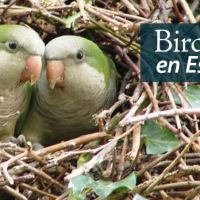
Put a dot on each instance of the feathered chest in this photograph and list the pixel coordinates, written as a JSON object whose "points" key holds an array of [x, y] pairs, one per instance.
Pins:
{"points": [[85, 90], [71, 107], [11, 104], [73, 102]]}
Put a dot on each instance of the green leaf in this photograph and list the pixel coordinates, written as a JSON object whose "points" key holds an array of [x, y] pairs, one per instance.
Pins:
{"points": [[78, 196], [71, 20], [78, 184], [158, 139], [139, 197], [102, 188], [193, 94]]}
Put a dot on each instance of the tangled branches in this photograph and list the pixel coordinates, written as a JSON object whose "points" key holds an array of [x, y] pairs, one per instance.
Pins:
{"points": [[163, 153]]}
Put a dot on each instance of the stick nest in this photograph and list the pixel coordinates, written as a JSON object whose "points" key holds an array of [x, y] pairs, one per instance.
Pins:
{"points": [[125, 143]]}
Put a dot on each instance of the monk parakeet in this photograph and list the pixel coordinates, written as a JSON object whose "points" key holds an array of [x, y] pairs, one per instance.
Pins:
{"points": [[21, 50], [79, 81]]}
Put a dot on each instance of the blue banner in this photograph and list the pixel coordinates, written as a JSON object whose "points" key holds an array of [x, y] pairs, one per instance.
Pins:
{"points": [[170, 52]]}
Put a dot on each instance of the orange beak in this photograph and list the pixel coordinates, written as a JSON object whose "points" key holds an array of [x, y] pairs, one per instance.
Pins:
{"points": [[33, 69], [55, 71]]}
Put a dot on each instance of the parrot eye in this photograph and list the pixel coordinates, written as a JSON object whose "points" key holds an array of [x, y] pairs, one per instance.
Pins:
{"points": [[12, 46], [79, 55]]}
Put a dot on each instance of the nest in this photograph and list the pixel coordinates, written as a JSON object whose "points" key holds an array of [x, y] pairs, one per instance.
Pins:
{"points": [[148, 142]]}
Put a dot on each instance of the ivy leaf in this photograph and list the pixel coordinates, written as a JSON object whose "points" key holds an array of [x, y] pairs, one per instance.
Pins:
{"points": [[193, 95], [158, 139], [139, 197], [102, 188]]}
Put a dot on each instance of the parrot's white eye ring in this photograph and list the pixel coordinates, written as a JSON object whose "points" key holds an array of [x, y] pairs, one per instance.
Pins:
{"points": [[79, 55], [12, 46]]}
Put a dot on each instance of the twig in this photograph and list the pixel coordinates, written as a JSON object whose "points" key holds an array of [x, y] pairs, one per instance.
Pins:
{"points": [[155, 90], [5, 9], [107, 113], [17, 180], [187, 10], [63, 196], [14, 193], [124, 15], [58, 8], [136, 137], [99, 157], [129, 62], [194, 5], [74, 142], [37, 190], [133, 109], [140, 11], [184, 164], [36, 171], [178, 123], [187, 184], [163, 10], [186, 99], [193, 193], [98, 14], [7, 163], [175, 161], [154, 10], [145, 6], [23, 11], [120, 166], [155, 162], [81, 5], [177, 12], [165, 113], [61, 158], [136, 148], [94, 161], [150, 4], [137, 93], [183, 170], [178, 93], [130, 6], [134, 45]]}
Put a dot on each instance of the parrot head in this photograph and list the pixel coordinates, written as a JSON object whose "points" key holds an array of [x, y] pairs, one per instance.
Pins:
{"points": [[21, 51], [77, 64]]}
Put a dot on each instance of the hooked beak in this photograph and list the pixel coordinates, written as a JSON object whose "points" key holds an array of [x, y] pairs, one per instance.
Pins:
{"points": [[55, 71], [33, 69]]}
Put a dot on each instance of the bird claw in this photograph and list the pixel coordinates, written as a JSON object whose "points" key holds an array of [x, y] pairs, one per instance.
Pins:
{"points": [[18, 141]]}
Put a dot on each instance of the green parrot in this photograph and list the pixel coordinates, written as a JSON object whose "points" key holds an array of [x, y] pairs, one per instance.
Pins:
{"points": [[21, 51], [78, 82]]}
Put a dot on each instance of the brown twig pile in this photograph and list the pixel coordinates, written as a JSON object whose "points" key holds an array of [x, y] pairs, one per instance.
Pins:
{"points": [[115, 25]]}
